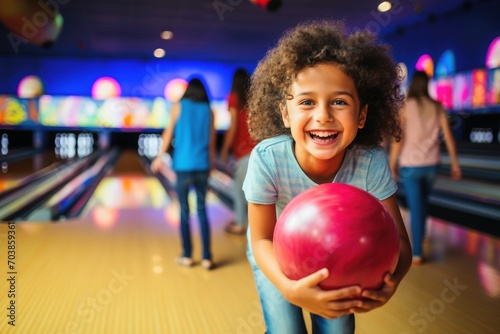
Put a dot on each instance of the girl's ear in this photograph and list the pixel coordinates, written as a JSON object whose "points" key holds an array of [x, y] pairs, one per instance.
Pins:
{"points": [[362, 117], [284, 116]]}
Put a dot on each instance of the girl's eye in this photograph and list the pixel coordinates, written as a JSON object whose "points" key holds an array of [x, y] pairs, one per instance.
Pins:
{"points": [[307, 102], [339, 103]]}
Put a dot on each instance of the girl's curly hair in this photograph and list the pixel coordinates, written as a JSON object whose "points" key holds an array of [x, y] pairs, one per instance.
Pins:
{"points": [[369, 64]]}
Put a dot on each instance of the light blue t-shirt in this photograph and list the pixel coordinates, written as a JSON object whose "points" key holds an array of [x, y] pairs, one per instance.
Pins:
{"points": [[275, 177]]}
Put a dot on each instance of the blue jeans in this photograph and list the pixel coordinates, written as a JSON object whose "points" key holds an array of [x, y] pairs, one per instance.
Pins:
{"points": [[282, 317], [198, 180], [417, 184]]}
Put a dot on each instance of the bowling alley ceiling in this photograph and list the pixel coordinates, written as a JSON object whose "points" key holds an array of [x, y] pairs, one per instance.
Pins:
{"points": [[225, 30]]}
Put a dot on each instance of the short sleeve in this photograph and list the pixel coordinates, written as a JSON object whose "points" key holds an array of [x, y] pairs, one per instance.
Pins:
{"points": [[259, 185], [380, 181], [233, 102]]}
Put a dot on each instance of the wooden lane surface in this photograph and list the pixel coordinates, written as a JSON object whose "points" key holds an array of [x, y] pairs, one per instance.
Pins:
{"points": [[457, 291], [113, 272]]}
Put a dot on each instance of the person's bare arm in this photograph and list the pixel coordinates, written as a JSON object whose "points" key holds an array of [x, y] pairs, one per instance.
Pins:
{"points": [[449, 140], [230, 135], [212, 142], [167, 136], [395, 148], [377, 298], [393, 158], [405, 255]]}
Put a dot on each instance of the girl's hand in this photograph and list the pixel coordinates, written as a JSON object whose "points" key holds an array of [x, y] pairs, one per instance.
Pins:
{"points": [[156, 164], [330, 304], [456, 173], [377, 298]]}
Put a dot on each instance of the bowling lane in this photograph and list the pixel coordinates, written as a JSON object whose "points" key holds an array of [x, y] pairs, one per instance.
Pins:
{"points": [[474, 200], [14, 171], [131, 185], [456, 291], [129, 162], [120, 256]]}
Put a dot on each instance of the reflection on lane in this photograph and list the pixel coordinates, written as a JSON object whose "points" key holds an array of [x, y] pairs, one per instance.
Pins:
{"points": [[127, 192], [130, 192], [14, 171], [115, 195], [445, 237], [30, 165]]}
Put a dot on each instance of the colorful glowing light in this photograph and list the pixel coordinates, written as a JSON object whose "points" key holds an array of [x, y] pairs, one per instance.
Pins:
{"points": [[479, 90], [270, 5], [446, 64], [462, 89], [384, 6], [493, 54], [30, 87], [104, 217], [426, 64], [174, 89], [106, 87]]}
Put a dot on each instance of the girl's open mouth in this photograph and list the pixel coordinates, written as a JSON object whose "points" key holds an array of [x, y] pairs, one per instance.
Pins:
{"points": [[323, 136]]}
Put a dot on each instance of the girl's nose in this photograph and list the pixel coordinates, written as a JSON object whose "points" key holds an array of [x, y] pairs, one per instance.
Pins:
{"points": [[323, 114]]}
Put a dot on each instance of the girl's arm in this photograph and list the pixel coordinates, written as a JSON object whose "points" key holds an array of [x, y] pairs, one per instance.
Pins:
{"points": [[262, 219], [393, 158], [230, 135], [305, 292], [380, 297], [456, 173], [166, 137], [405, 255], [395, 148], [212, 143]]}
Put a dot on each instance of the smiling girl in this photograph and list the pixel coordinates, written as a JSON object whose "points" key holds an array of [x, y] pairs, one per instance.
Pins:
{"points": [[321, 103]]}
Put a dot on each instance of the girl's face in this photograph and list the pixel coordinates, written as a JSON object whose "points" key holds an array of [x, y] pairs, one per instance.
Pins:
{"points": [[324, 114]]}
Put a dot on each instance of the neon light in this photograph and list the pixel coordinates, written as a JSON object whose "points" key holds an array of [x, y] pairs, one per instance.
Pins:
{"points": [[30, 87], [493, 54], [425, 63], [106, 87], [174, 89], [478, 88], [446, 64]]}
